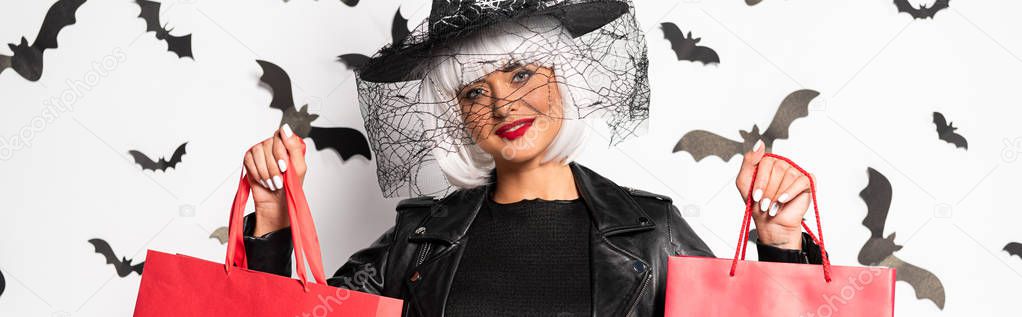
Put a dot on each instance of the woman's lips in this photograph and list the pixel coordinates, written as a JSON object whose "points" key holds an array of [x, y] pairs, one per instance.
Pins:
{"points": [[515, 129]]}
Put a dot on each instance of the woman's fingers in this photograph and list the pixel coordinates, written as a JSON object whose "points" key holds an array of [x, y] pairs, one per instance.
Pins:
{"points": [[295, 150], [280, 153], [259, 157], [762, 177], [798, 186], [749, 163], [275, 181], [250, 169], [790, 176], [776, 175]]}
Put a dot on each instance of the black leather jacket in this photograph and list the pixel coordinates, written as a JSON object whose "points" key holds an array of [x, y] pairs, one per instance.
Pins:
{"points": [[633, 234]]}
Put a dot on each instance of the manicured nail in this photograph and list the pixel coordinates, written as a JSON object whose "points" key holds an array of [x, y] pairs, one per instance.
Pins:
{"points": [[269, 184], [287, 130], [759, 145], [764, 204], [773, 209], [278, 182], [261, 183], [757, 195], [783, 198], [282, 165]]}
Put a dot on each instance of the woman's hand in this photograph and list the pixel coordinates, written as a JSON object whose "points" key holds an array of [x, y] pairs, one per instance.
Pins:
{"points": [[264, 163], [780, 198]]}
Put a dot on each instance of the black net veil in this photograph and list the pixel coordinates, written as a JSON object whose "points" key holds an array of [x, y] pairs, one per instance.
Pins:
{"points": [[436, 107]]}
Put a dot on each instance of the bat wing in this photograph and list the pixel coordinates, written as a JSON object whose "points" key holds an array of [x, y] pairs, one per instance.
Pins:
{"points": [[905, 6], [674, 35], [350, 3], [142, 160], [151, 14], [353, 61], [347, 142], [180, 45], [178, 153], [5, 63], [138, 267], [399, 28], [794, 106], [926, 285], [220, 234], [701, 143], [61, 14], [939, 5], [1014, 248], [954, 138], [940, 122], [103, 248], [705, 55], [877, 196], [280, 84]]}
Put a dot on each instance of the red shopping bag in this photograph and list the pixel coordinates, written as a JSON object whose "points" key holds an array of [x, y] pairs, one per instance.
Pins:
{"points": [[698, 286], [180, 285]]}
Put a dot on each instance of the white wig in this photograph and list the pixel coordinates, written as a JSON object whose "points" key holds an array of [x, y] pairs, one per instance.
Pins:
{"points": [[539, 40]]}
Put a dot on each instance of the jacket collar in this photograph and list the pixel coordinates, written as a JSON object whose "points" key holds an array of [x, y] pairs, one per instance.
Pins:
{"points": [[611, 207]]}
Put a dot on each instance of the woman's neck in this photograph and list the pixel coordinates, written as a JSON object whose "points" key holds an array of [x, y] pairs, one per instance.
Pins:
{"points": [[550, 181]]}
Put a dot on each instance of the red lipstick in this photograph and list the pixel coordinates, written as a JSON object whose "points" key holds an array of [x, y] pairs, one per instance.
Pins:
{"points": [[514, 129]]}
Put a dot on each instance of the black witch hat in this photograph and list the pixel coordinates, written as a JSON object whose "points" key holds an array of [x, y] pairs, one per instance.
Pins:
{"points": [[452, 19]]}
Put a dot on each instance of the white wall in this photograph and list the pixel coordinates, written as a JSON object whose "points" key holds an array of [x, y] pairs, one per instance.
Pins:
{"points": [[880, 75]]}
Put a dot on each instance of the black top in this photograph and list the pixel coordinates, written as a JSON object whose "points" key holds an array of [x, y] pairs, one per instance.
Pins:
{"points": [[527, 258]]}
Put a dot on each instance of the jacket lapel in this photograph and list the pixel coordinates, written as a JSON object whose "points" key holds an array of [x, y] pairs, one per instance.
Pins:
{"points": [[619, 277]]}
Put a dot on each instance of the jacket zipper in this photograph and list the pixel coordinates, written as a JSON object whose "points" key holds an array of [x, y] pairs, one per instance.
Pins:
{"points": [[645, 283], [422, 255]]}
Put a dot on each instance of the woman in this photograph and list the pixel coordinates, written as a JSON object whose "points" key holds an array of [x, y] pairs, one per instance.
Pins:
{"points": [[508, 86]]}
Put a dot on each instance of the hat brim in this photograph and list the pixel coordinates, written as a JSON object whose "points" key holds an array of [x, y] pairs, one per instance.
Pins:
{"points": [[402, 65]]}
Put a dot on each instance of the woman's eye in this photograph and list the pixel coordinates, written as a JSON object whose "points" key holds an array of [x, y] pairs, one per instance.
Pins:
{"points": [[522, 75], [473, 93]]}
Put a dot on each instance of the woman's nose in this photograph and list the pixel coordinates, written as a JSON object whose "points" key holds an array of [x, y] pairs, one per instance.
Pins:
{"points": [[504, 103]]}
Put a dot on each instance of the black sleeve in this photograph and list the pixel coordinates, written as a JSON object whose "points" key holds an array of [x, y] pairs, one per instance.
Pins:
{"points": [[271, 252], [810, 253]]}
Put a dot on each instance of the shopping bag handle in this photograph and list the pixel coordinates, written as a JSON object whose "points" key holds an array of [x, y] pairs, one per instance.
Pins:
{"points": [[303, 230], [743, 237]]}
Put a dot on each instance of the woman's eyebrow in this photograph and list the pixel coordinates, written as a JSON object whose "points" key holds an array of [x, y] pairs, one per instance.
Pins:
{"points": [[510, 66]]}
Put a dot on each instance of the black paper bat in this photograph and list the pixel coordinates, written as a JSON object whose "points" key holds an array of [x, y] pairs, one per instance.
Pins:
{"points": [[3, 283], [923, 12], [347, 142], [1014, 248], [123, 266], [220, 234], [148, 163], [685, 47], [752, 2], [398, 32], [880, 251], [946, 131], [180, 45], [701, 143], [27, 60]]}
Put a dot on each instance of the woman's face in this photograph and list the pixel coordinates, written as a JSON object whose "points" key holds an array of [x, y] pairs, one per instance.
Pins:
{"points": [[514, 112]]}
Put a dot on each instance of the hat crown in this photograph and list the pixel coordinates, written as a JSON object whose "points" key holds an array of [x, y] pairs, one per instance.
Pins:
{"points": [[448, 15]]}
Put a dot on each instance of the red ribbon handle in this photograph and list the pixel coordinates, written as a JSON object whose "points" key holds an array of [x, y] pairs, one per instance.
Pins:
{"points": [[303, 230], [743, 236]]}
